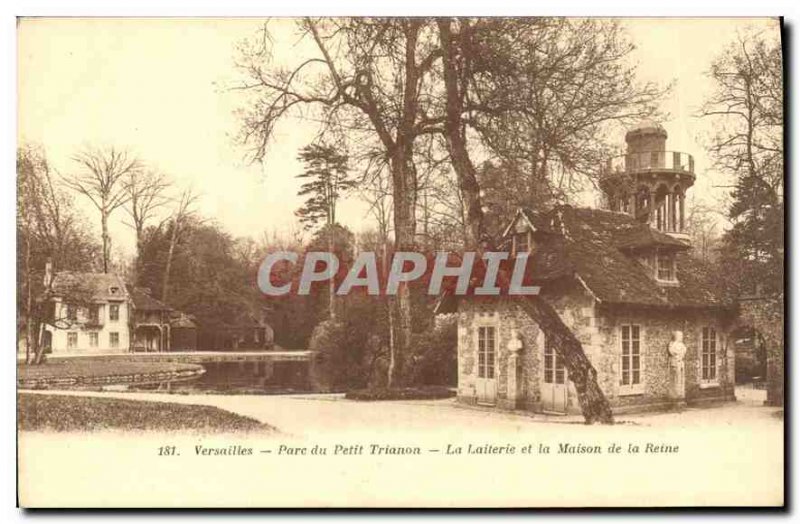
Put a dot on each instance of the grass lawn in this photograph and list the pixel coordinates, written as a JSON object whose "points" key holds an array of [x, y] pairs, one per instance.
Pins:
{"points": [[43, 412], [96, 372]]}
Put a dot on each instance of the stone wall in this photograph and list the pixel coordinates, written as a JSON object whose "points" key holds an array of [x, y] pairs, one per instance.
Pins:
{"points": [[657, 327], [577, 310], [505, 317], [597, 327]]}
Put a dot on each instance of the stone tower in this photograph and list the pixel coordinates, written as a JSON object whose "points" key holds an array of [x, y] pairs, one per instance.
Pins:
{"points": [[648, 182]]}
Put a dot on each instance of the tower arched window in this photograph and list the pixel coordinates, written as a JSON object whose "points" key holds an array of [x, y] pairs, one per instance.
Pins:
{"points": [[625, 203], [661, 208], [676, 210], [643, 204]]}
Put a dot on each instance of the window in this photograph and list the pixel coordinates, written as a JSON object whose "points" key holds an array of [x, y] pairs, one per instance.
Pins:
{"points": [[630, 379], [486, 351], [113, 290], [554, 370], [521, 243], [113, 312], [665, 267], [708, 355], [94, 314], [113, 339], [72, 340], [93, 340], [72, 312]]}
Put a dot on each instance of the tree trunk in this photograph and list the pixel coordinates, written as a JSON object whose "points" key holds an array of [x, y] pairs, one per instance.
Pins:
{"points": [[106, 239], [390, 369], [405, 228], [137, 267], [38, 356], [594, 406], [165, 284], [331, 282]]}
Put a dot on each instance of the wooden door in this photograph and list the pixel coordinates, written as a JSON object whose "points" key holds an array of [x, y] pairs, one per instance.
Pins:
{"points": [[486, 384], [554, 382]]}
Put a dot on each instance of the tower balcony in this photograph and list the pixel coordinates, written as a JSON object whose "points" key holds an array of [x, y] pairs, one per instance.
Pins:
{"points": [[650, 162]]}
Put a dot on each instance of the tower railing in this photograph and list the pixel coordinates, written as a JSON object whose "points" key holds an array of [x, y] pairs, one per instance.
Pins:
{"points": [[650, 160]]}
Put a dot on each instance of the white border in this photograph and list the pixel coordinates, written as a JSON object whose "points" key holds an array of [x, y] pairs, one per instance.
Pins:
{"points": [[13, 8]]}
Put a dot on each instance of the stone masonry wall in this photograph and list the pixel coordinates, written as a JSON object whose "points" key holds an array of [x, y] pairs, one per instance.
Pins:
{"points": [[597, 326], [657, 326], [501, 314]]}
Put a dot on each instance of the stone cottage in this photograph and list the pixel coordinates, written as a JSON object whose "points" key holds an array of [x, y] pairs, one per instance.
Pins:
{"points": [[623, 280]]}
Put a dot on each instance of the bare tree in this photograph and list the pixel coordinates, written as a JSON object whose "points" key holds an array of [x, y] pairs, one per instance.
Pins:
{"points": [[702, 224], [747, 107], [455, 44], [184, 208], [102, 177], [393, 81], [377, 192], [368, 76], [145, 191]]}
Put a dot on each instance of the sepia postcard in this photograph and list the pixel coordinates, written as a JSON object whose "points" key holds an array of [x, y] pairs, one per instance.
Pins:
{"points": [[488, 262]]}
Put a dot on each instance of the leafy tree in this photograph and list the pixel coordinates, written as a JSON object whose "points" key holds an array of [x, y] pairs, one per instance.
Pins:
{"points": [[340, 241], [209, 278]]}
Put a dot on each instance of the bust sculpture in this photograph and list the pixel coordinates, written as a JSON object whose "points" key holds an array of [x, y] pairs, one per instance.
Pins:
{"points": [[677, 349], [515, 342]]}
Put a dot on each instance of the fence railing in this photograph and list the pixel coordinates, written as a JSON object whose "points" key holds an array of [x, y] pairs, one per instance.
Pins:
{"points": [[632, 162]]}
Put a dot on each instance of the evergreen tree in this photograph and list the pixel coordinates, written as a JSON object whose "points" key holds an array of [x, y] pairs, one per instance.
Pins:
{"points": [[327, 178]]}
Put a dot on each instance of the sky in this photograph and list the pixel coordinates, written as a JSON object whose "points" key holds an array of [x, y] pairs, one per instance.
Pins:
{"points": [[159, 88]]}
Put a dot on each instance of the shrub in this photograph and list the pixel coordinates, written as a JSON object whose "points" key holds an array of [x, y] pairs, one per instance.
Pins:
{"points": [[433, 354]]}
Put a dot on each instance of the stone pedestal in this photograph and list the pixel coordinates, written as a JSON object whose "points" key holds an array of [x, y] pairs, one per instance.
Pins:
{"points": [[677, 378], [677, 350]]}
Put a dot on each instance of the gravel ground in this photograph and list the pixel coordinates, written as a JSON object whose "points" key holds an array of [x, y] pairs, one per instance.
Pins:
{"points": [[308, 415], [730, 454]]}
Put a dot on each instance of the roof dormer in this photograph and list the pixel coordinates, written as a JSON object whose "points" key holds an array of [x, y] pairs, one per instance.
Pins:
{"points": [[522, 233], [661, 266]]}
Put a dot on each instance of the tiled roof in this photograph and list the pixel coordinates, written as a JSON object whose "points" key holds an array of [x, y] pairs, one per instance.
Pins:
{"points": [[144, 302], [592, 244], [596, 246], [89, 286], [182, 321]]}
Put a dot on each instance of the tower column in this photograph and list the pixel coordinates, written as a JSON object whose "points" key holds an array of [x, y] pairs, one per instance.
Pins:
{"points": [[651, 217]]}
